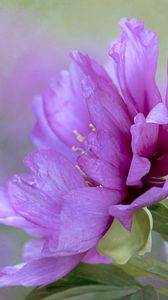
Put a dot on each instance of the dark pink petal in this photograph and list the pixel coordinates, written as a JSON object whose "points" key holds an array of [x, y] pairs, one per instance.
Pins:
{"points": [[43, 136], [102, 172], [8, 215], [124, 213], [38, 271], [139, 167], [109, 147], [83, 220], [144, 142], [159, 115], [135, 55], [65, 108], [102, 96], [94, 257], [144, 136], [38, 198]]}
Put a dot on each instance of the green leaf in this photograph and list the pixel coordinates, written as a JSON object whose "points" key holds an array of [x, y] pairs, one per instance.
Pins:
{"points": [[90, 292], [160, 218], [120, 244], [93, 281], [146, 293], [146, 266], [97, 282]]}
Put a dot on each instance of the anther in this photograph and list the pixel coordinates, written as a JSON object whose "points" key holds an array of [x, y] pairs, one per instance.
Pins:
{"points": [[74, 148], [92, 127], [79, 137]]}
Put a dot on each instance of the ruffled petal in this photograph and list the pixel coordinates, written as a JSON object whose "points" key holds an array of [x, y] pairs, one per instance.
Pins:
{"points": [[38, 198], [33, 249], [102, 172], [139, 167], [124, 213], [94, 257], [102, 96], [135, 52], [158, 114], [109, 147], [65, 108], [38, 271], [83, 220], [43, 136], [8, 215], [144, 142]]}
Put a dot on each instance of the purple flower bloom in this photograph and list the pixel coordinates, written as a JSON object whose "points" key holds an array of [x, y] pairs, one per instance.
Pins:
{"points": [[126, 149], [55, 205], [116, 134]]}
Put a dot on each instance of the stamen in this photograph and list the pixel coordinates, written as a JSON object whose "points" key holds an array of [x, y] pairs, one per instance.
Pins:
{"points": [[79, 137], [92, 127], [74, 148]]}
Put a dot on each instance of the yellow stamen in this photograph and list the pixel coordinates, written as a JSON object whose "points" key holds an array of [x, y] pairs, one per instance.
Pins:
{"points": [[74, 148], [92, 127], [79, 137]]}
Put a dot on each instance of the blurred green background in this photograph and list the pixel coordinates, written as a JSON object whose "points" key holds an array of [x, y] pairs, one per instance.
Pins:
{"points": [[36, 37]]}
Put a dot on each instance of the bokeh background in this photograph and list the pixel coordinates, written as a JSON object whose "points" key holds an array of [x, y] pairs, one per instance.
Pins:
{"points": [[36, 37]]}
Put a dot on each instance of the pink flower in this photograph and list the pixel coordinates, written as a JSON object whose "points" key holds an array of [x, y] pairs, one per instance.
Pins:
{"points": [[120, 129], [116, 134]]}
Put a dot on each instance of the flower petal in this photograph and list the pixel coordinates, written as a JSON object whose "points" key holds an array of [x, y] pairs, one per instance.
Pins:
{"points": [[139, 167], [33, 249], [109, 147], [102, 172], [37, 198], [65, 108], [144, 142], [38, 271], [102, 96], [124, 213], [94, 257], [134, 52], [158, 114], [43, 136], [83, 220]]}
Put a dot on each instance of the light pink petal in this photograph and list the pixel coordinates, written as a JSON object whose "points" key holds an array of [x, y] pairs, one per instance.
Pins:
{"points": [[124, 213], [83, 220], [64, 107], [37, 199], [144, 136], [94, 257], [33, 249], [38, 271], [139, 167], [135, 55], [144, 143], [158, 114], [43, 136], [8, 215], [102, 172], [107, 146], [102, 96]]}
